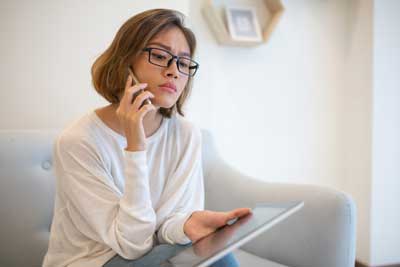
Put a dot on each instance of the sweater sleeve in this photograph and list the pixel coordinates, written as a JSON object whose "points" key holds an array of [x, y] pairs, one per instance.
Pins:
{"points": [[183, 194], [125, 223]]}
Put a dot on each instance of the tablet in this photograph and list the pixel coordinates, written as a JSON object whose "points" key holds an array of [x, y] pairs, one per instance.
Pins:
{"points": [[215, 246]]}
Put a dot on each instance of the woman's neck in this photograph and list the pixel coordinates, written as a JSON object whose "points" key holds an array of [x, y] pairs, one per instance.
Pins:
{"points": [[151, 121]]}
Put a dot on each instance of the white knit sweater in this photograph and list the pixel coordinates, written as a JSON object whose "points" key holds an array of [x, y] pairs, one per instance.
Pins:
{"points": [[109, 200]]}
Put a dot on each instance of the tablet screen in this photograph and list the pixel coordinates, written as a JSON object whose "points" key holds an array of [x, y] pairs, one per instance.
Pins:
{"points": [[218, 244]]}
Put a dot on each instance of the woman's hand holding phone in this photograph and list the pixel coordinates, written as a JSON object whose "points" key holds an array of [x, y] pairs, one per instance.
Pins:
{"points": [[131, 112]]}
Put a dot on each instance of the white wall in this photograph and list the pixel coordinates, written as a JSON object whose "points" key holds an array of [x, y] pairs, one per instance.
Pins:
{"points": [[385, 233], [274, 108]]}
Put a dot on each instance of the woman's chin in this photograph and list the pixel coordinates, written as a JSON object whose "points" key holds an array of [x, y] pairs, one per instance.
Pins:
{"points": [[164, 104]]}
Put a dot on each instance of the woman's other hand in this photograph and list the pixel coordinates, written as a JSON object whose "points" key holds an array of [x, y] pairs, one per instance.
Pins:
{"points": [[203, 223], [206, 246]]}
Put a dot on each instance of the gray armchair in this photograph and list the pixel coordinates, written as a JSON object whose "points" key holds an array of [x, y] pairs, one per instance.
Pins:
{"points": [[322, 234]]}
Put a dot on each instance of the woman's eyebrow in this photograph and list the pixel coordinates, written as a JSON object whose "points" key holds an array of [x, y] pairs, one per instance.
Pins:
{"points": [[169, 48]]}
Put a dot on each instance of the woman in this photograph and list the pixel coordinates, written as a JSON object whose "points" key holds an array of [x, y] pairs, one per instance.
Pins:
{"points": [[129, 174]]}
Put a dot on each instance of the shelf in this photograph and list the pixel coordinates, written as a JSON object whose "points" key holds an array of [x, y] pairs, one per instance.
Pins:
{"points": [[215, 16]]}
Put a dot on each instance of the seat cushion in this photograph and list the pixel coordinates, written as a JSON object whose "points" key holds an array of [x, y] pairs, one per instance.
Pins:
{"points": [[247, 259]]}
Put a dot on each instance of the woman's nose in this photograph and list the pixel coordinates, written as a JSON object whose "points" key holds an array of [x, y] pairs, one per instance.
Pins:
{"points": [[172, 69]]}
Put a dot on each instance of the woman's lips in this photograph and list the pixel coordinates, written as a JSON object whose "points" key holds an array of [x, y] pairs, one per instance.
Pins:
{"points": [[167, 89], [168, 86]]}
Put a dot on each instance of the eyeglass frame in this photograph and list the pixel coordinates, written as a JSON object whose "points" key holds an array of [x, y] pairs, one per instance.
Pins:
{"points": [[148, 49]]}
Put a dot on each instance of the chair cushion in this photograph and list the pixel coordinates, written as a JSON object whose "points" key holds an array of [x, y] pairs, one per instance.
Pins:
{"points": [[247, 259]]}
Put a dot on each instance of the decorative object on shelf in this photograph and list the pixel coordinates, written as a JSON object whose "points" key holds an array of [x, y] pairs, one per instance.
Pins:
{"points": [[221, 16], [243, 24]]}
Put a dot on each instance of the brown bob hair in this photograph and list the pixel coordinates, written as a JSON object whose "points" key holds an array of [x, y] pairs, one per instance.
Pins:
{"points": [[110, 69]]}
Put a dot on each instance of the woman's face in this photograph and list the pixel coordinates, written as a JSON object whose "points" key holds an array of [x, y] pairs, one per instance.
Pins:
{"points": [[174, 41]]}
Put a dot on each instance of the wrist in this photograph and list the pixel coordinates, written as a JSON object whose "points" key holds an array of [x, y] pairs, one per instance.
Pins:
{"points": [[135, 149], [188, 226]]}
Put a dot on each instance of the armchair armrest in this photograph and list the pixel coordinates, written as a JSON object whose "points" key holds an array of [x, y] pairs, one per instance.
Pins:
{"points": [[322, 233]]}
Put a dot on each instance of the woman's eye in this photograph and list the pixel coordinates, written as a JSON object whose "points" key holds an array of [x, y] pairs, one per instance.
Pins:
{"points": [[158, 56], [183, 65]]}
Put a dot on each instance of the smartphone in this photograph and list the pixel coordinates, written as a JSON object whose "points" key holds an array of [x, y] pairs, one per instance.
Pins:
{"points": [[136, 81]]}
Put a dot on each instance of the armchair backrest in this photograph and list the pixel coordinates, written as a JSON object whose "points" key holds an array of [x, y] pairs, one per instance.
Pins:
{"points": [[26, 196]]}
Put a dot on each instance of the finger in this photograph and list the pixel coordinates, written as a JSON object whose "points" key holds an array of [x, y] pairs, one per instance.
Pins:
{"points": [[129, 93], [240, 212], [145, 109], [236, 213], [128, 82], [243, 212], [230, 216], [128, 85], [138, 102], [232, 221]]}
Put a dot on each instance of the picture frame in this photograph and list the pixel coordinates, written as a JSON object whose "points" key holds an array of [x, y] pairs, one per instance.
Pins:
{"points": [[243, 24]]}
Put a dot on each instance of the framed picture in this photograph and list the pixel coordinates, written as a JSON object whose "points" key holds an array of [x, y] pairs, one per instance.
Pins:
{"points": [[243, 24]]}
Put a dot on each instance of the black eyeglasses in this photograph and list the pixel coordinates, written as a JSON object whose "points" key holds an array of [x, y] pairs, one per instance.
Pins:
{"points": [[164, 58]]}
